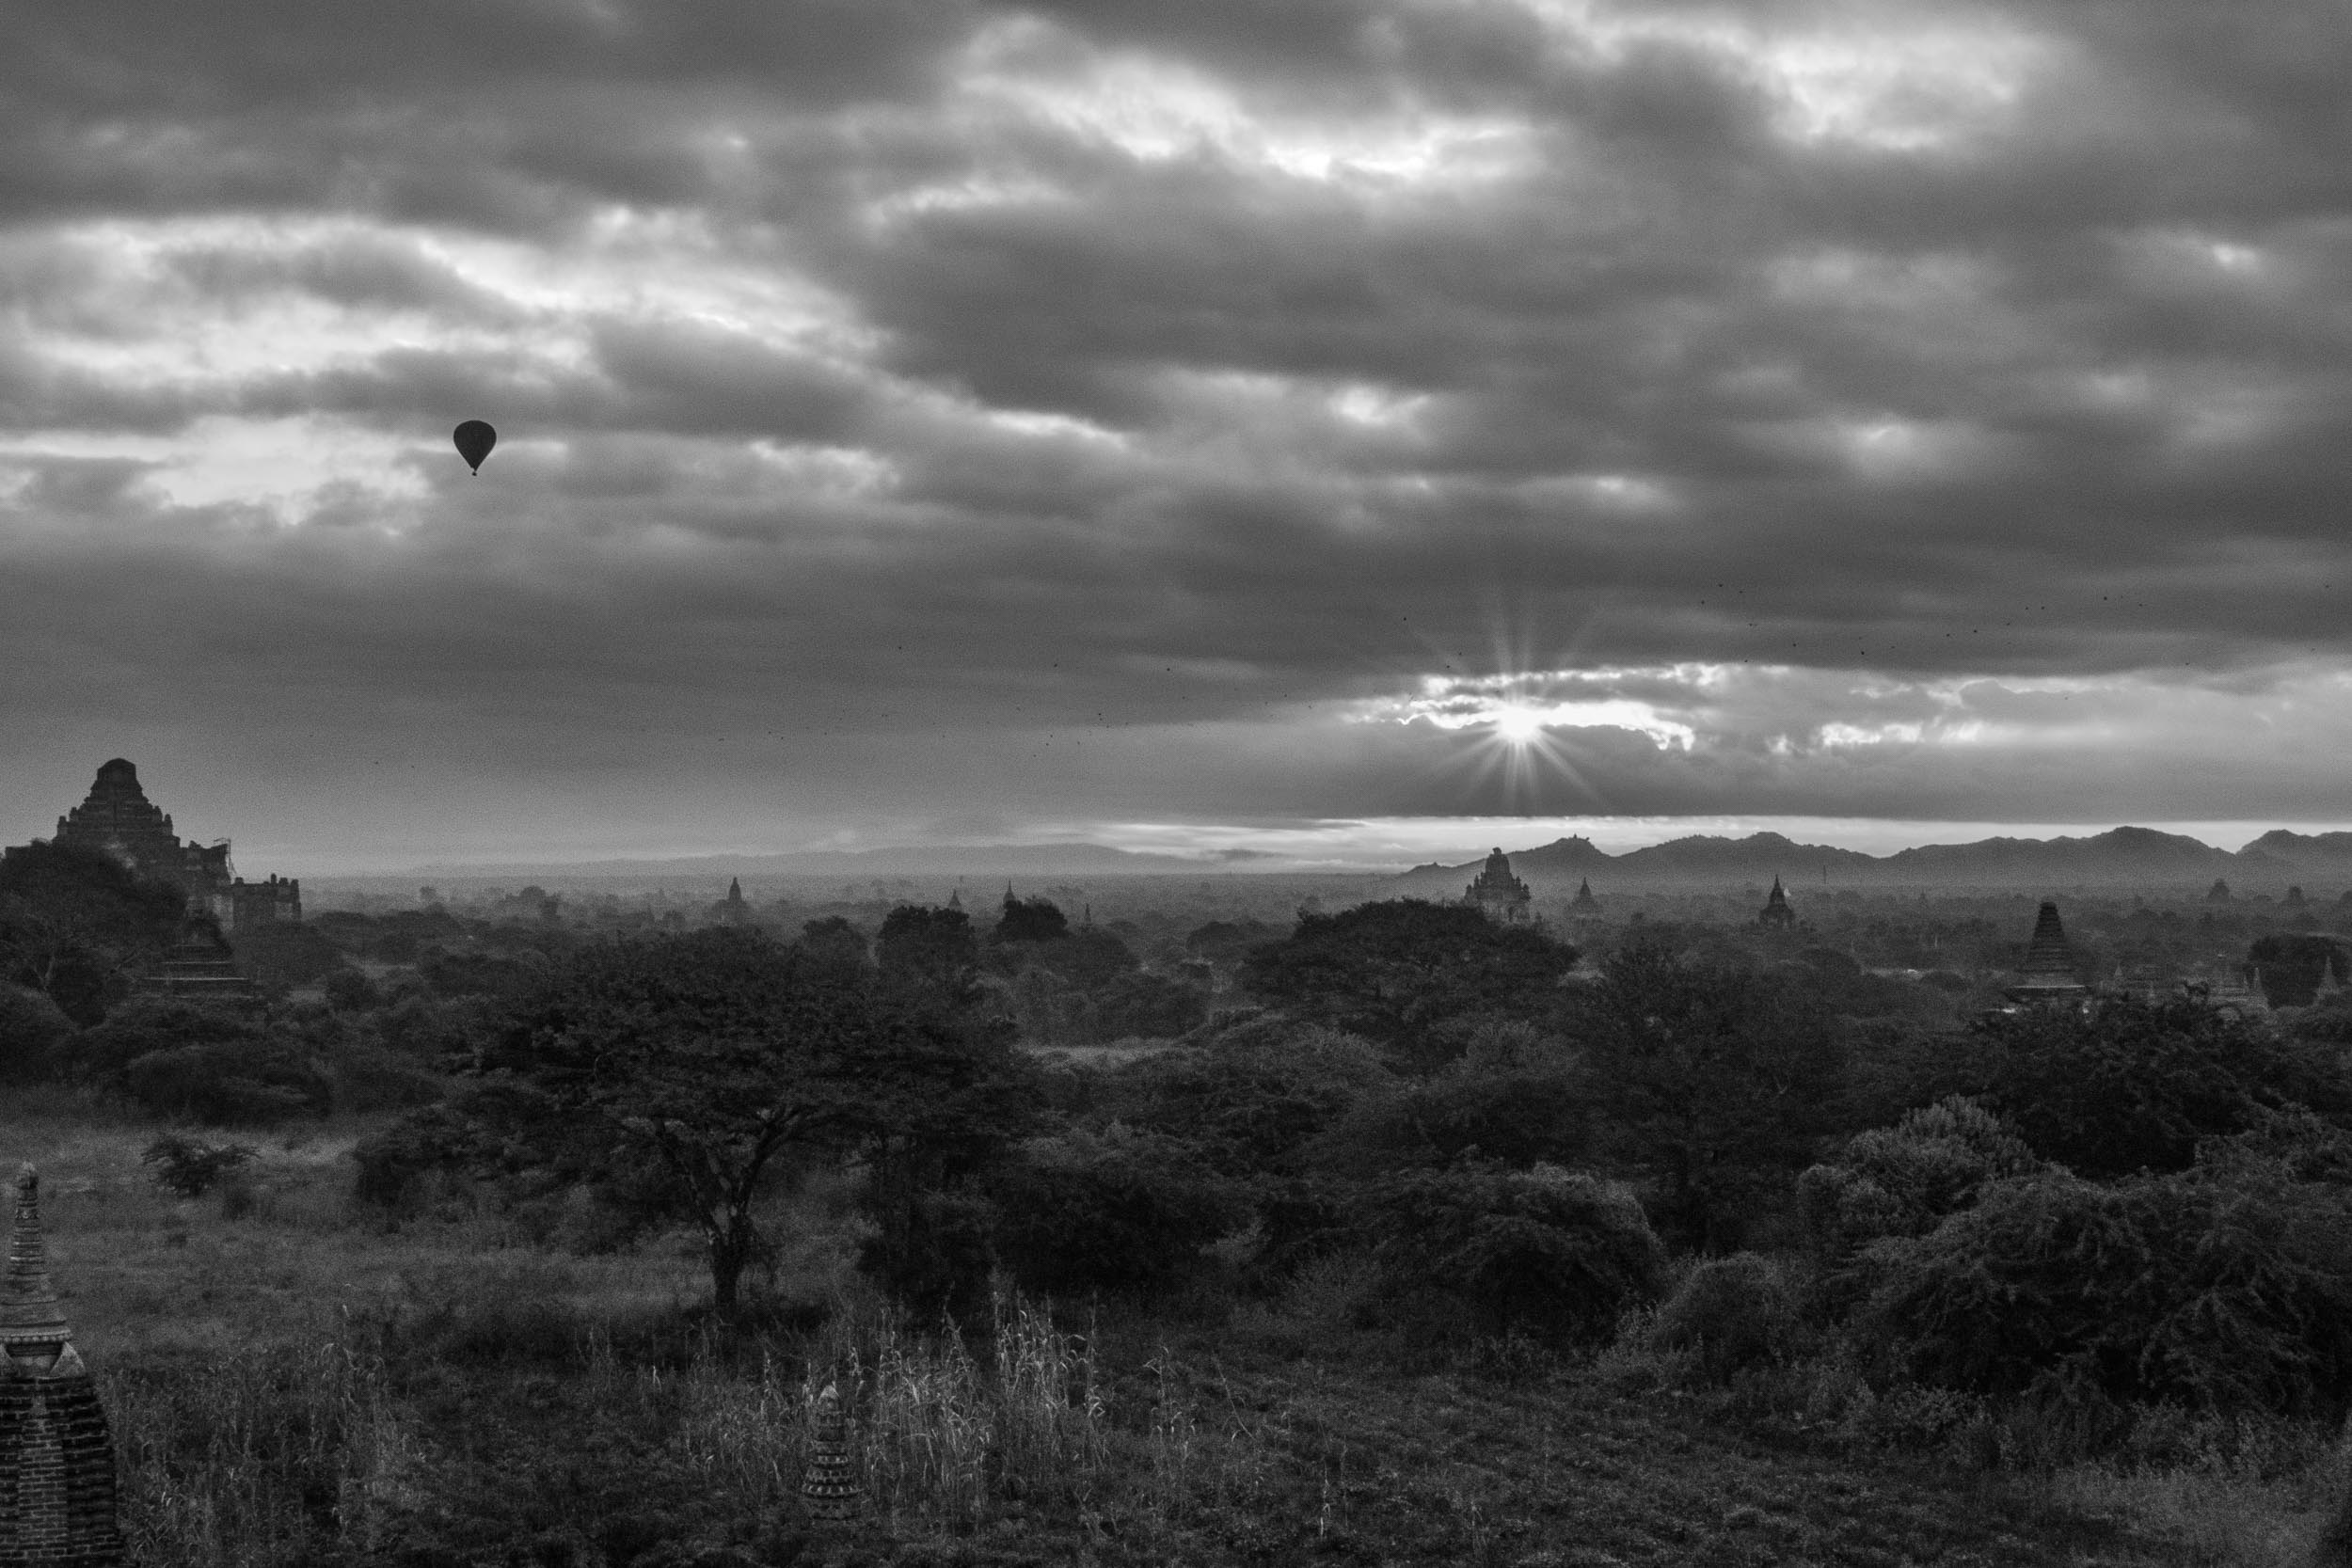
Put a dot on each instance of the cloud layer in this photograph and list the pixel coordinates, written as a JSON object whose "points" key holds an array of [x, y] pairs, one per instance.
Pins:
{"points": [[936, 417]]}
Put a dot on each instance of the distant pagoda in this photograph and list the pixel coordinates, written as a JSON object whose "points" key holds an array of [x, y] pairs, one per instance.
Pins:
{"points": [[2047, 975], [1584, 903], [1776, 914], [1497, 894], [57, 1456], [2239, 988]]}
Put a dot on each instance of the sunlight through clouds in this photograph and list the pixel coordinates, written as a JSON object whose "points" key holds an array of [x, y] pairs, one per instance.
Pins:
{"points": [[1520, 708]]}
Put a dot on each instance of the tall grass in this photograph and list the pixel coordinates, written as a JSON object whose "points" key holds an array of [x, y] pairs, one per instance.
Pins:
{"points": [[939, 1436], [258, 1458], [938, 1433], [2258, 1503]]}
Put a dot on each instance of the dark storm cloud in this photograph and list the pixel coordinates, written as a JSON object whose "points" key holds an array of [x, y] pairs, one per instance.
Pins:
{"points": [[1759, 388]]}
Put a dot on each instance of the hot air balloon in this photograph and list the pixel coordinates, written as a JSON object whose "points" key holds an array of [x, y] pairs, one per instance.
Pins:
{"points": [[474, 440]]}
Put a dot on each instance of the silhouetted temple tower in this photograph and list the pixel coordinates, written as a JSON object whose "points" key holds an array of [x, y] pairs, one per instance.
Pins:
{"points": [[57, 1457], [1500, 895], [1776, 914], [2047, 975]]}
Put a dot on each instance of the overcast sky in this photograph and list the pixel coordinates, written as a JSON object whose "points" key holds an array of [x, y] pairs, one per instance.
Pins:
{"points": [[1171, 423]]}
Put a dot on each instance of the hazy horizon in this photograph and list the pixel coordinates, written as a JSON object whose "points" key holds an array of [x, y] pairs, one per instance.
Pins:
{"points": [[1371, 847], [1181, 426]]}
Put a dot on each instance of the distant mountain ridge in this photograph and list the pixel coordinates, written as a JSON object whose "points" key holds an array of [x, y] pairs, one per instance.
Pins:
{"points": [[1018, 860], [2120, 857]]}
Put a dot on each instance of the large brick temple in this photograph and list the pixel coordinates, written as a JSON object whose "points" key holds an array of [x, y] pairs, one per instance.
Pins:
{"points": [[118, 818], [56, 1455]]}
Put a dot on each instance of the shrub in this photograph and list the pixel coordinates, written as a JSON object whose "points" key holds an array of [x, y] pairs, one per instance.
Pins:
{"points": [[31, 1030], [1332, 1292], [1731, 1313], [362, 1077], [190, 1168], [1155, 1007], [1496, 1047], [1249, 1099], [285, 953], [941, 1260], [1517, 1118], [500, 976], [2224, 1289], [429, 1028], [1394, 971], [148, 1024], [490, 1130], [231, 1082], [1901, 1180], [350, 991], [1122, 1210], [1300, 1219], [1554, 1254]]}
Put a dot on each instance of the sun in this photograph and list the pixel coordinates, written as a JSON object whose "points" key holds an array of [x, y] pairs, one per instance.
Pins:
{"points": [[1520, 726]]}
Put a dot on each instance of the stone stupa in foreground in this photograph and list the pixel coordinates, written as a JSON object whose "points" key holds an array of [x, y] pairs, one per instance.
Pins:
{"points": [[57, 1457]]}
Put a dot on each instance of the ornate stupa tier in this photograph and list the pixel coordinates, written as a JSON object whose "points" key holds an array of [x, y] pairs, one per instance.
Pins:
{"points": [[29, 1313]]}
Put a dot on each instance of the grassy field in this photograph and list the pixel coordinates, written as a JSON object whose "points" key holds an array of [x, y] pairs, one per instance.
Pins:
{"points": [[295, 1382]]}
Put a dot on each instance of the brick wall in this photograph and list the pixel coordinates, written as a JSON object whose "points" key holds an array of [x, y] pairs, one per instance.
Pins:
{"points": [[57, 1474]]}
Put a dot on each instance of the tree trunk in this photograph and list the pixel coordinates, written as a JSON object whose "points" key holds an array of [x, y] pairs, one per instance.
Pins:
{"points": [[732, 1244]]}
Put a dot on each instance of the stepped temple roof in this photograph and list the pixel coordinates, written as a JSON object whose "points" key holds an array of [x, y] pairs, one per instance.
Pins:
{"points": [[1585, 903], [1776, 911]]}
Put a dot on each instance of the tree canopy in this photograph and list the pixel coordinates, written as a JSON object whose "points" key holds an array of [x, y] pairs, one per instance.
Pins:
{"points": [[74, 920], [723, 1052], [2133, 1086], [1029, 920], [931, 949], [1719, 1078], [1392, 971]]}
